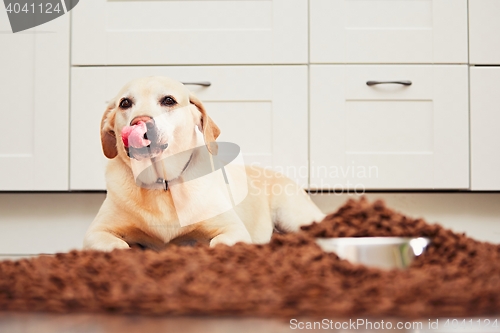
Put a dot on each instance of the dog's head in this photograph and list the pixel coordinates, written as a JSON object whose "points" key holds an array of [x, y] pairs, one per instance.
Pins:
{"points": [[153, 114]]}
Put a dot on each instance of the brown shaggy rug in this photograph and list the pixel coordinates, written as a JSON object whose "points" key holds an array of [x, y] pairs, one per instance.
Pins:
{"points": [[289, 277]]}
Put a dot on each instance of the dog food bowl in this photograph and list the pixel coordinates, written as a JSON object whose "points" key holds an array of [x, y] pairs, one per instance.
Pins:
{"points": [[381, 252]]}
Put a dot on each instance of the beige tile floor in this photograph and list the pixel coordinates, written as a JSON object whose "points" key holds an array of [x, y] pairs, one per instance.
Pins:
{"points": [[97, 323]]}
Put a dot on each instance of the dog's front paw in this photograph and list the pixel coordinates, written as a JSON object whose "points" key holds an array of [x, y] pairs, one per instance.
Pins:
{"points": [[108, 247], [103, 241], [230, 239]]}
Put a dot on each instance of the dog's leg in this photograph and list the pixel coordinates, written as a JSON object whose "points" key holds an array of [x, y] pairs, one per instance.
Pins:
{"points": [[100, 234], [294, 208], [103, 241], [232, 236], [231, 229]]}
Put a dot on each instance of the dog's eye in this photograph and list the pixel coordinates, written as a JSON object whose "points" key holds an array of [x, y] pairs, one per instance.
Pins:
{"points": [[168, 101], [125, 103]]}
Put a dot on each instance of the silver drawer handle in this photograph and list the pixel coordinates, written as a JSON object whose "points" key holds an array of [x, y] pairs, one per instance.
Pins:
{"points": [[200, 83], [372, 83]]}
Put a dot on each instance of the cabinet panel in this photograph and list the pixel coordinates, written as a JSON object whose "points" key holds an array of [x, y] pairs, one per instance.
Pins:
{"points": [[261, 108], [389, 136], [35, 97], [484, 27], [485, 136], [190, 32], [388, 31]]}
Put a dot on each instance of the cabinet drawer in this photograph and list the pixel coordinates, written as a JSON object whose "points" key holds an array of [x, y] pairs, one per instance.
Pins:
{"points": [[388, 31], [484, 26], [389, 136], [263, 109], [190, 32], [485, 137], [34, 67]]}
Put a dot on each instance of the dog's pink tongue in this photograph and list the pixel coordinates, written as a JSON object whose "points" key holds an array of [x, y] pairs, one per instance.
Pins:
{"points": [[133, 136]]}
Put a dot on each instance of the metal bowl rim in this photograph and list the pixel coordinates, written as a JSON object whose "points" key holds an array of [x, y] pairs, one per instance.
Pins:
{"points": [[364, 241]]}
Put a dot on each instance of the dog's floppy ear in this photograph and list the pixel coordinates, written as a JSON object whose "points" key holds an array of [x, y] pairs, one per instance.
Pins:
{"points": [[108, 136], [208, 128]]}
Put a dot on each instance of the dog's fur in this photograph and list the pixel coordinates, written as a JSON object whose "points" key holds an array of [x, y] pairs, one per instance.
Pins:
{"points": [[134, 215]]}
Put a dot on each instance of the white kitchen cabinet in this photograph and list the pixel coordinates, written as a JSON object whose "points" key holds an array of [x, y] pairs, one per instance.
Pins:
{"points": [[484, 30], [389, 136], [485, 134], [263, 109], [34, 92], [110, 32], [387, 31]]}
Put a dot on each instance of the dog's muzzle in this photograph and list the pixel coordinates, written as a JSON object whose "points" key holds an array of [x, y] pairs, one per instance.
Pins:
{"points": [[141, 139], [149, 151]]}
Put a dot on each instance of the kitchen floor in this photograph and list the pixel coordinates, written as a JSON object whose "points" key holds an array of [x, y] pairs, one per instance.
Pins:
{"points": [[96, 323]]}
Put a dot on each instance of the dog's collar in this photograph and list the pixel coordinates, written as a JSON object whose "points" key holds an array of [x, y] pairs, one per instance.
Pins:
{"points": [[165, 182]]}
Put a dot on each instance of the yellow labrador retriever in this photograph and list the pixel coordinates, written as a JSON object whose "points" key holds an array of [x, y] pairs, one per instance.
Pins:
{"points": [[138, 212]]}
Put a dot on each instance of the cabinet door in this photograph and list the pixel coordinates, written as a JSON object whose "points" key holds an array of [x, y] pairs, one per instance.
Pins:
{"points": [[388, 31], [189, 32], [389, 136], [34, 67], [484, 27], [485, 136], [263, 109]]}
